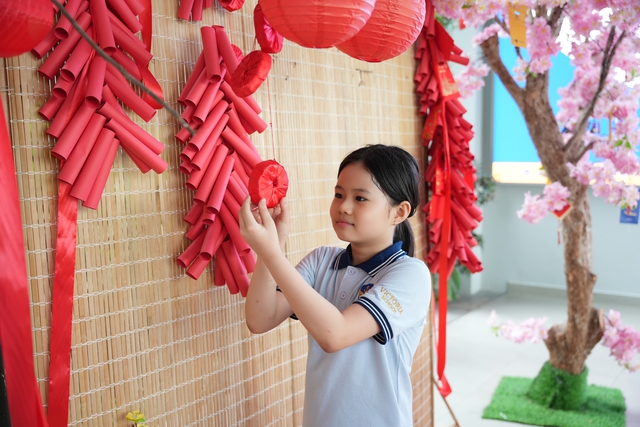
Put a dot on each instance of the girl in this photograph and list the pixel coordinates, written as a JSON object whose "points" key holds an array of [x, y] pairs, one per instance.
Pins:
{"points": [[364, 307]]}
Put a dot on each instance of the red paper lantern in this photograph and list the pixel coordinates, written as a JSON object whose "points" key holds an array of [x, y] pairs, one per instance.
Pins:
{"points": [[392, 28], [24, 24], [317, 23], [268, 181], [250, 73]]}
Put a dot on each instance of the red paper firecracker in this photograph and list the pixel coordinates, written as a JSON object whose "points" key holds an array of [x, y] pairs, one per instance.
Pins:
{"points": [[268, 181], [392, 28], [250, 73], [218, 160], [269, 39], [24, 24], [317, 23]]}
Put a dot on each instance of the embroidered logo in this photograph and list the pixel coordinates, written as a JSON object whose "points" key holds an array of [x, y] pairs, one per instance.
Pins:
{"points": [[364, 289], [390, 300]]}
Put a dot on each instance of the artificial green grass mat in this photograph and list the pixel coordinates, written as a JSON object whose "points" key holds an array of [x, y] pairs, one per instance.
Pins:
{"points": [[603, 407]]}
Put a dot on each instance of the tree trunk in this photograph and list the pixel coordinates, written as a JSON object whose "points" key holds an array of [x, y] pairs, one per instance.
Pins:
{"points": [[569, 344]]}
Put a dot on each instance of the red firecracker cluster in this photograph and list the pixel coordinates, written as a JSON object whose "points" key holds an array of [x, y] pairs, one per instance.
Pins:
{"points": [[219, 160], [86, 118]]}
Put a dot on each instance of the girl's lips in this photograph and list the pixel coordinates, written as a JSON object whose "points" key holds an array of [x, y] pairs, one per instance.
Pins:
{"points": [[343, 224]]}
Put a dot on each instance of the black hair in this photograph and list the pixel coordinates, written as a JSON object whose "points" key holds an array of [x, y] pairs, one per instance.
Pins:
{"points": [[397, 175]]}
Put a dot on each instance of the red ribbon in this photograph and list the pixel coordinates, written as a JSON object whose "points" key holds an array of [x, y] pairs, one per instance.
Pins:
{"points": [[62, 316], [25, 404]]}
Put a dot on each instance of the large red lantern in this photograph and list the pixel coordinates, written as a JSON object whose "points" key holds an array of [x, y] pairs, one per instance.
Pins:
{"points": [[393, 27], [24, 24], [318, 23]]}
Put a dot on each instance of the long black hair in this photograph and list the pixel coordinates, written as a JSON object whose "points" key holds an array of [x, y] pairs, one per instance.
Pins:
{"points": [[397, 175]]}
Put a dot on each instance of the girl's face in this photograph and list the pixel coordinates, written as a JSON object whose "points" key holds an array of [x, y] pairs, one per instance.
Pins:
{"points": [[360, 211]]}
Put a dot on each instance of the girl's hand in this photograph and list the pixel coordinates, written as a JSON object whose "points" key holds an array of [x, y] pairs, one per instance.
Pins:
{"points": [[259, 229], [280, 215]]}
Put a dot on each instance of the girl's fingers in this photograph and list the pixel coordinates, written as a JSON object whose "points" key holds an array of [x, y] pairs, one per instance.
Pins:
{"points": [[284, 210], [246, 216], [264, 212]]}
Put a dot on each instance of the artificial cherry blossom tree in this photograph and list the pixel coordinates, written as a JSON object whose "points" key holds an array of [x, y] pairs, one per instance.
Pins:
{"points": [[603, 41]]}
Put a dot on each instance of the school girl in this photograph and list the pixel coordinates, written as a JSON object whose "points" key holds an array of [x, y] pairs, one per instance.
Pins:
{"points": [[364, 306]]}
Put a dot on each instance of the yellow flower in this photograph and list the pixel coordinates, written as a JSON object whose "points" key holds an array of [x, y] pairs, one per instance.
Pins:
{"points": [[135, 416]]}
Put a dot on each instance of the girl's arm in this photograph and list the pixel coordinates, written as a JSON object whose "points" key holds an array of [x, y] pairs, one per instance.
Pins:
{"points": [[333, 330], [265, 308]]}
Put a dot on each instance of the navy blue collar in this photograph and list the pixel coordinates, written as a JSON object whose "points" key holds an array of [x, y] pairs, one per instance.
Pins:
{"points": [[373, 264]]}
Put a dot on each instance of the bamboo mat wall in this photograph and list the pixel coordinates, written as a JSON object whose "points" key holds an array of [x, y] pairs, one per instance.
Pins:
{"points": [[145, 336]]}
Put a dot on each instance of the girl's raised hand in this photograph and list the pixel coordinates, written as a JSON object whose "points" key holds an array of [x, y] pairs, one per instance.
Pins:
{"points": [[258, 228]]}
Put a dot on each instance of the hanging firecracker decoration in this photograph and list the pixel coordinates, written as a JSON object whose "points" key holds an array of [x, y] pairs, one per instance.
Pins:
{"points": [[219, 160], [24, 24], [250, 73], [268, 181], [393, 27], [269, 39], [451, 212], [194, 8], [317, 23]]}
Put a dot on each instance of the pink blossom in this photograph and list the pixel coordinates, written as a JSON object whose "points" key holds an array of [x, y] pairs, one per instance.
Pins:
{"points": [[556, 195], [533, 209], [623, 340], [470, 79], [487, 33]]}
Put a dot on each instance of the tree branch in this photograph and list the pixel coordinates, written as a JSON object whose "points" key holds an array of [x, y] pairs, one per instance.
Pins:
{"points": [[583, 121], [582, 151], [556, 13], [492, 54], [501, 23]]}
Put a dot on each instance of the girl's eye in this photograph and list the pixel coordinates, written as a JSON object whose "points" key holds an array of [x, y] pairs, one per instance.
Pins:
{"points": [[360, 199], [338, 196]]}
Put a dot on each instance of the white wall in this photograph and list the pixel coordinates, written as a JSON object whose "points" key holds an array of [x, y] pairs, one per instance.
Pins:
{"points": [[518, 252]]}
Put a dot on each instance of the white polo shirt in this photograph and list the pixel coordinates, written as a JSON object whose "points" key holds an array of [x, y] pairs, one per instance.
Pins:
{"points": [[366, 384]]}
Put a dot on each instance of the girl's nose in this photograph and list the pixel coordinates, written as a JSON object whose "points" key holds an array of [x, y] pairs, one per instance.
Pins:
{"points": [[345, 206]]}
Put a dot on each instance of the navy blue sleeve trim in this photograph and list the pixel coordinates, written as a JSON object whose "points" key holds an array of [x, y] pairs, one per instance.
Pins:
{"points": [[293, 316], [386, 332]]}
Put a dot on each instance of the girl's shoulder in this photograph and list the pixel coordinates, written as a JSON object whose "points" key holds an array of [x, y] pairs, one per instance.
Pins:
{"points": [[407, 265]]}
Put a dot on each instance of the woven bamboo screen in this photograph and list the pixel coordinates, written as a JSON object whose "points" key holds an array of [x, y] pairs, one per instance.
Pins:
{"points": [[145, 336]]}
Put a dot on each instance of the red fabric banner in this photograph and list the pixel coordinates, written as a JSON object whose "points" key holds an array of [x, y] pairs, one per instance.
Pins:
{"points": [[25, 403]]}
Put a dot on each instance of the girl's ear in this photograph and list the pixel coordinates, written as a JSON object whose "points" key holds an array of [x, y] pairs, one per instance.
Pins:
{"points": [[401, 212]]}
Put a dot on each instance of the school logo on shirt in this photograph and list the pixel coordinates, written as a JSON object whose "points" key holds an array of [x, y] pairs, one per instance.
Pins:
{"points": [[390, 300], [364, 289]]}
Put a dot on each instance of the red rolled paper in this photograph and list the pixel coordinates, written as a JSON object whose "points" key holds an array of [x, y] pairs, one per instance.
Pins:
{"points": [[220, 186], [76, 160], [194, 213], [101, 179], [137, 147], [269, 39], [250, 73], [132, 45], [125, 14], [183, 135], [223, 264], [196, 176], [92, 167], [251, 103], [136, 7], [233, 205], [103, 28], [45, 44], [210, 49], [201, 156], [234, 230], [191, 252], [237, 188], [196, 12], [50, 108], [237, 128], [243, 108], [144, 168], [187, 114], [67, 110], [249, 261], [185, 168], [95, 81], [208, 217], [238, 52], [236, 266], [62, 88], [184, 10], [195, 73], [198, 89], [209, 125], [63, 26], [108, 96], [225, 49], [218, 277], [54, 61], [213, 238], [204, 189], [72, 133], [122, 90], [188, 153], [212, 96], [127, 63], [197, 267], [246, 153], [195, 230], [111, 112], [241, 165], [242, 176], [79, 56]]}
